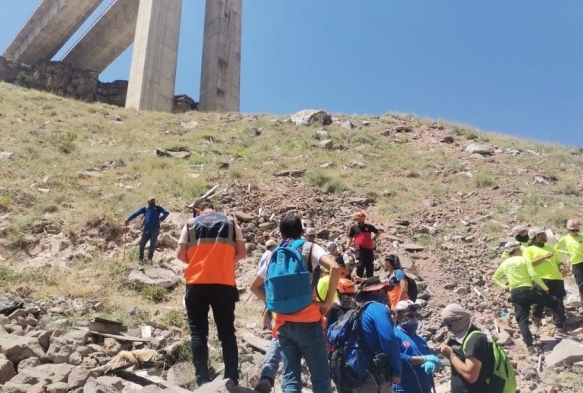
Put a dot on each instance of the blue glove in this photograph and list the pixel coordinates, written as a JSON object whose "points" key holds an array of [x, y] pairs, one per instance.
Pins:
{"points": [[432, 359], [428, 367]]}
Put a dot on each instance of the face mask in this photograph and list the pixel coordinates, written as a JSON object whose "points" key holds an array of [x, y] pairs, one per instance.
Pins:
{"points": [[410, 326], [521, 239]]}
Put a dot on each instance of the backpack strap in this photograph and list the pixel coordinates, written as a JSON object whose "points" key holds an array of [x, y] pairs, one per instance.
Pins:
{"points": [[467, 338]]}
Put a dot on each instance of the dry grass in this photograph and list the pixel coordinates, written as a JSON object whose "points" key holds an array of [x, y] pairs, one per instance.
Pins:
{"points": [[54, 139]]}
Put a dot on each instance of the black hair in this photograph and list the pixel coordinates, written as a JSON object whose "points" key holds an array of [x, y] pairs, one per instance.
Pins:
{"points": [[394, 261], [291, 227]]}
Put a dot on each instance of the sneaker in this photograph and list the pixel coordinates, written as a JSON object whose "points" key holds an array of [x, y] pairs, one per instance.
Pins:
{"points": [[263, 386]]}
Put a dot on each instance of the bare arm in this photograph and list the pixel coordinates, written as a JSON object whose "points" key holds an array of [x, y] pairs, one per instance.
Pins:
{"points": [[469, 370], [181, 252], [240, 250], [258, 289], [403, 289]]}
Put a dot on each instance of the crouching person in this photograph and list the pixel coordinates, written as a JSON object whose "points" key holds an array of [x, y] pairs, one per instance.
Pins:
{"points": [[365, 354], [418, 363]]}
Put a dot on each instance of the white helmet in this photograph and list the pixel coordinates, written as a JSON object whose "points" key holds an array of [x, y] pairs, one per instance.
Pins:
{"points": [[573, 224], [517, 229]]}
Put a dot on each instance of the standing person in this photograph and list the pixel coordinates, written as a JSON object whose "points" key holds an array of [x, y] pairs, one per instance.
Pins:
{"points": [[572, 245], [548, 269], [300, 334], [520, 234], [343, 260], [153, 216], [520, 275], [269, 245], [418, 363], [362, 235], [397, 279], [310, 234], [470, 353], [210, 244]]}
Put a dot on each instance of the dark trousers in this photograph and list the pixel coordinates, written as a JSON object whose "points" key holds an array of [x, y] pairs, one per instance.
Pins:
{"points": [[523, 298], [222, 299], [556, 289], [578, 273], [364, 261], [149, 235]]}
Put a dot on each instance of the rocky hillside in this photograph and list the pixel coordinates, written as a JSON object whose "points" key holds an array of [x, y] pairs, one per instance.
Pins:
{"points": [[446, 195]]}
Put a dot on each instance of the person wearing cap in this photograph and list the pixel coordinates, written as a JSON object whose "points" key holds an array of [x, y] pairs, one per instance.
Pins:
{"points": [[364, 236], [469, 352], [343, 260], [418, 364], [153, 216], [397, 279], [548, 269], [520, 274], [210, 244], [520, 234], [346, 301], [310, 234], [572, 244], [378, 335], [300, 334]]}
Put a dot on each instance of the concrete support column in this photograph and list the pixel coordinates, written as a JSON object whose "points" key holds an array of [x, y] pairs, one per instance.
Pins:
{"points": [[155, 54], [220, 81]]}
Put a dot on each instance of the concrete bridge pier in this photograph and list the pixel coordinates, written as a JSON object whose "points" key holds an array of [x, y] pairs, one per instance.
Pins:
{"points": [[154, 57]]}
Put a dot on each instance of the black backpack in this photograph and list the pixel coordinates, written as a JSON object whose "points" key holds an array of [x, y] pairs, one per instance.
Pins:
{"points": [[412, 289]]}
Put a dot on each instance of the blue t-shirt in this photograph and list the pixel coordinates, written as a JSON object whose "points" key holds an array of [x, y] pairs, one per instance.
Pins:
{"points": [[413, 378], [377, 333]]}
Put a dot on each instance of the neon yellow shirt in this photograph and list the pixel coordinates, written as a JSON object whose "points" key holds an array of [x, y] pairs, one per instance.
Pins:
{"points": [[573, 246], [322, 288], [505, 254], [519, 273], [549, 268]]}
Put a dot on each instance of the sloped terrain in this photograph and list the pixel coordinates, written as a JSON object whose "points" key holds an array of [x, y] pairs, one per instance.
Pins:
{"points": [[445, 194]]}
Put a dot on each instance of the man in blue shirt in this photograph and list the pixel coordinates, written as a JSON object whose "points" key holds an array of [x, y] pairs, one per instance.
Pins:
{"points": [[377, 333], [153, 216], [418, 363]]}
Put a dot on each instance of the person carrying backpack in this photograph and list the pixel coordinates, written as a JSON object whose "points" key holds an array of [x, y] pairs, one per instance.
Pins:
{"points": [[287, 289], [153, 216], [418, 363], [399, 285], [365, 355], [477, 365]]}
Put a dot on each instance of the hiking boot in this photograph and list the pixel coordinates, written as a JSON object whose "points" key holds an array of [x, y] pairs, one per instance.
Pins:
{"points": [[263, 386]]}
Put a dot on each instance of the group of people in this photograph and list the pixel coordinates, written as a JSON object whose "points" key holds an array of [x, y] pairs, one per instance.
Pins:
{"points": [[535, 274], [388, 323]]}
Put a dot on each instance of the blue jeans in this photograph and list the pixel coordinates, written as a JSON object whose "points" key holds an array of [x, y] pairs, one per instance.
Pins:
{"points": [[272, 360], [297, 340], [151, 235]]}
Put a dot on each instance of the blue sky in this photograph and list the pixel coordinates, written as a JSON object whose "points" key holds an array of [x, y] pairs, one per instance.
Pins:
{"points": [[513, 67]]}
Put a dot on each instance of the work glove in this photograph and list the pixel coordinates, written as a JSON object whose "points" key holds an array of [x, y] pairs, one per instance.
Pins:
{"points": [[432, 359], [428, 367]]}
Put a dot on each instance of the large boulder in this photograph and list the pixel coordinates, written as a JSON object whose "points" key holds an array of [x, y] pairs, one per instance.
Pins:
{"points": [[566, 352], [309, 116], [154, 276], [6, 370], [48, 373], [17, 348]]}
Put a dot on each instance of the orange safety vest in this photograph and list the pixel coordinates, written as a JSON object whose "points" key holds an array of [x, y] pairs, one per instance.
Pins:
{"points": [[210, 250]]}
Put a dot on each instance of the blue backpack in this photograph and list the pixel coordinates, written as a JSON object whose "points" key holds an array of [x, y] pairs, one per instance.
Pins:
{"points": [[351, 361], [288, 288]]}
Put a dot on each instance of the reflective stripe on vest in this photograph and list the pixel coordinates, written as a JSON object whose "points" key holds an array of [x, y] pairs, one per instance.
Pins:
{"points": [[210, 250]]}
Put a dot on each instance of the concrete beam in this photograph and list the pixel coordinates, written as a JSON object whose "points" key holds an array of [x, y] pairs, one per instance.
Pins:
{"points": [[106, 39], [220, 80], [49, 28], [154, 57]]}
